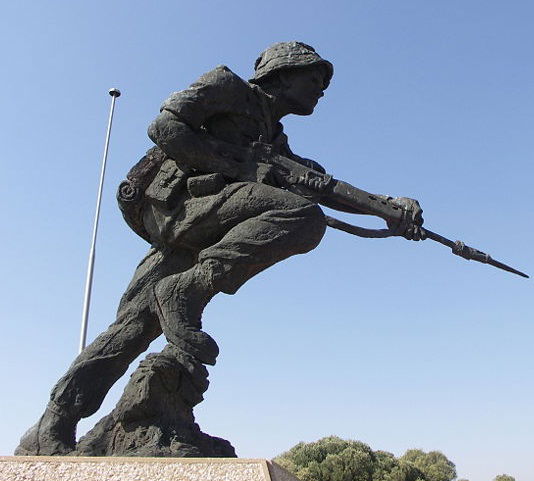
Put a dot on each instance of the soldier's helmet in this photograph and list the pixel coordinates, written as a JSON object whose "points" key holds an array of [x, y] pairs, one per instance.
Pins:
{"points": [[288, 55]]}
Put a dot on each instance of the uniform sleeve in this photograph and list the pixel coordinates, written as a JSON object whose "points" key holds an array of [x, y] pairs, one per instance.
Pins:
{"points": [[216, 92]]}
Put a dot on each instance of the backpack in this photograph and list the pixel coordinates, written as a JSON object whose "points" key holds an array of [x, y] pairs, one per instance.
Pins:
{"points": [[131, 192]]}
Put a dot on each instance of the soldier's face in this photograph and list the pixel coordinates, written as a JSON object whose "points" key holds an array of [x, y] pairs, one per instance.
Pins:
{"points": [[303, 89]]}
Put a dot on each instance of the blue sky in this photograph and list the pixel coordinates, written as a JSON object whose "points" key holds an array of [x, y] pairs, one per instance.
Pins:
{"points": [[397, 344]]}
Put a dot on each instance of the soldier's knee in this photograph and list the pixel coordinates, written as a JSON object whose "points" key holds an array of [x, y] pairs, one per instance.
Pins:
{"points": [[313, 227]]}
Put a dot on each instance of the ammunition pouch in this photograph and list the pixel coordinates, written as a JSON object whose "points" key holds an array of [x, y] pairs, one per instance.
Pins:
{"points": [[166, 186], [203, 185]]}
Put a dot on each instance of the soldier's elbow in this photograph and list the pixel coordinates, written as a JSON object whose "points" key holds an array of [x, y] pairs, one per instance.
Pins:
{"points": [[167, 131], [153, 131], [159, 128]]}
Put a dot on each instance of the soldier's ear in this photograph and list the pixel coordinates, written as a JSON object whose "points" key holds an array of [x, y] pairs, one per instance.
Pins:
{"points": [[284, 77]]}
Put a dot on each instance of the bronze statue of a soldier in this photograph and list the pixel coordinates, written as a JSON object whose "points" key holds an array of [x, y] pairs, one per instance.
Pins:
{"points": [[220, 198]]}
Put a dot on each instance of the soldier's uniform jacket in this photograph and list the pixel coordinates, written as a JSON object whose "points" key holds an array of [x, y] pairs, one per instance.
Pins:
{"points": [[226, 107]]}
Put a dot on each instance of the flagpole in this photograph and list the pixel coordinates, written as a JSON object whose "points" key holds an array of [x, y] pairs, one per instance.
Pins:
{"points": [[90, 267]]}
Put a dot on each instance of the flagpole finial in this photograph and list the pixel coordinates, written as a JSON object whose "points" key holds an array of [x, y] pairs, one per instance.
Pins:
{"points": [[114, 92]]}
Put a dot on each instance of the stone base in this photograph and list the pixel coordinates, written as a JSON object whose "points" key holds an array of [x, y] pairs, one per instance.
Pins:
{"points": [[64, 468]]}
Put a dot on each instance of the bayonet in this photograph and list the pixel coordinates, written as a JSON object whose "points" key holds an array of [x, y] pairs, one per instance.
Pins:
{"points": [[470, 253], [458, 248]]}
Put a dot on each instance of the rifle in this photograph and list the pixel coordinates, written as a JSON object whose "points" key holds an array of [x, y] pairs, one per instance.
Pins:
{"points": [[315, 185]]}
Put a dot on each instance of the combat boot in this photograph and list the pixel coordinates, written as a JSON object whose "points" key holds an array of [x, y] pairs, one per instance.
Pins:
{"points": [[53, 435], [180, 300]]}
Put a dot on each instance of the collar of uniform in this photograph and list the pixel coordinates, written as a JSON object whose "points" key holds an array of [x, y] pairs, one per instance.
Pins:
{"points": [[266, 103]]}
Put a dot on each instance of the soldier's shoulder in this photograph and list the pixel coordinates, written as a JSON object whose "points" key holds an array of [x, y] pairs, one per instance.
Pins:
{"points": [[223, 77], [219, 89]]}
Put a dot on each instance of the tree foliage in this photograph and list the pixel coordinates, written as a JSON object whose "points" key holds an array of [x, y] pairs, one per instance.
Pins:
{"points": [[434, 465], [504, 477], [334, 459], [330, 459]]}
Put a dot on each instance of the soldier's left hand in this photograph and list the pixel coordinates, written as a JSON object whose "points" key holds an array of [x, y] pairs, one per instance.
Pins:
{"points": [[411, 227]]}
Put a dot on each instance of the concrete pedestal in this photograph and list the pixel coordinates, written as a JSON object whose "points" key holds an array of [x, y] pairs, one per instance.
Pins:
{"points": [[65, 468]]}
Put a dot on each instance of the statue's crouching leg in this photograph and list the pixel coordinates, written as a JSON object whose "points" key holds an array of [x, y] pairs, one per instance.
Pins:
{"points": [[243, 249]]}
